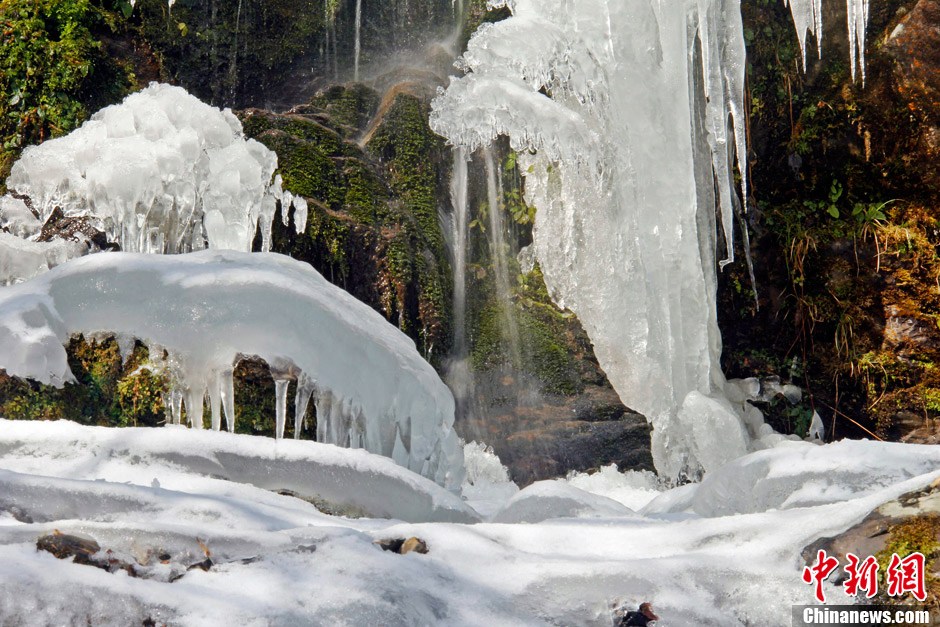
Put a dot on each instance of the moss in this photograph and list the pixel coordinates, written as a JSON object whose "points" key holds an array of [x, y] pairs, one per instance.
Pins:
{"points": [[229, 53], [349, 106], [107, 391], [54, 68], [546, 338], [307, 169], [920, 534], [411, 153]]}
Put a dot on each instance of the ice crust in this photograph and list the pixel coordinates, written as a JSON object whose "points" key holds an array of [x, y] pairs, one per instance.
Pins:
{"points": [[629, 122], [270, 551], [546, 500], [207, 310], [354, 481], [161, 172]]}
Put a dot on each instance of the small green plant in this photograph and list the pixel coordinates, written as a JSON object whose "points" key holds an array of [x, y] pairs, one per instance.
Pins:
{"points": [[829, 205]]}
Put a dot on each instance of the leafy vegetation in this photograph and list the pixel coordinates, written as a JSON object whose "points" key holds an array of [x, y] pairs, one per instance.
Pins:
{"points": [[55, 69]]}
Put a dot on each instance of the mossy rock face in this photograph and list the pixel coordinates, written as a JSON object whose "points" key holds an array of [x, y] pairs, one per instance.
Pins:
{"points": [[108, 391], [60, 61], [372, 226], [843, 223], [230, 53]]}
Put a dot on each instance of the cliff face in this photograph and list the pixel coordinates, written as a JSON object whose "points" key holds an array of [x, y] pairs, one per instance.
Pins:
{"points": [[843, 221]]}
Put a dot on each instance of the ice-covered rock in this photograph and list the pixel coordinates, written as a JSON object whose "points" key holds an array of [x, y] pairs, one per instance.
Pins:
{"points": [[544, 500], [206, 310], [344, 480], [161, 172], [799, 474]]}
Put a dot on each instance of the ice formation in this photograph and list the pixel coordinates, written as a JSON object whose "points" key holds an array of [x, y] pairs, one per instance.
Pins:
{"points": [[808, 19], [545, 500], [207, 310], [153, 494], [339, 480], [161, 172], [628, 118], [625, 228]]}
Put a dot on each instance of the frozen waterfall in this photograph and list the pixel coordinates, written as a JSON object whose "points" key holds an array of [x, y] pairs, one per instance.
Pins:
{"points": [[628, 118], [205, 311]]}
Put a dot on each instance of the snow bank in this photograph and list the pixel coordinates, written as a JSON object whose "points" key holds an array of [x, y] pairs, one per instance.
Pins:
{"points": [[277, 560], [800, 474], [545, 500], [161, 172], [633, 489], [206, 310], [345, 480]]}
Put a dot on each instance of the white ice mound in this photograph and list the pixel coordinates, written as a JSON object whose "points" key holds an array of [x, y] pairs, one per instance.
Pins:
{"points": [[545, 500], [345, 480], [161, 172], [799, 474], [207, 310]]}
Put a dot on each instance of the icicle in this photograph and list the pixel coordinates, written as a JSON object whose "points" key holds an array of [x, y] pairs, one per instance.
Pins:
{"points": [[305, 389], [227, 392], [280, 393], [807, 18], [300, 214], [324, 406], [215, 401], [175, 405], [195, 399], [857, 11]]}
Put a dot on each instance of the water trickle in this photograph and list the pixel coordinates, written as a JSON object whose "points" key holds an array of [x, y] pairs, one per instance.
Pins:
{"points": [[358, 43], [500, 250], [459, 199]]}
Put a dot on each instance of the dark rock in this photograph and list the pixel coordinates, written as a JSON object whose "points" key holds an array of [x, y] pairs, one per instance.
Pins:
{"points": [[548, 436], [415, 545], [64, 546], [403, 546], [76, 229]]}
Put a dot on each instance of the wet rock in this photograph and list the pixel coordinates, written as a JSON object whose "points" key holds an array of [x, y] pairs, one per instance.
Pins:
{"points": [[415, 545], [76, 229], [914, 45], [63, 546], [873, 535], [403, 546]]}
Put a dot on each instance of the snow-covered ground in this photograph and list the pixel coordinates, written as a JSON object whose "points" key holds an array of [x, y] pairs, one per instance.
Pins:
{"points": [[723, 552]]}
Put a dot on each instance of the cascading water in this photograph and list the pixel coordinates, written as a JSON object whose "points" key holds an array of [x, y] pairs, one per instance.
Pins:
{"points": [[459, 376], [358, 43], [499, 249]]}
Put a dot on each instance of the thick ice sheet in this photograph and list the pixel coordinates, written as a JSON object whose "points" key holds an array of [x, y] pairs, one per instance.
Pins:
{"points": [[279, 561], [206, 310], [353, 481]]}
